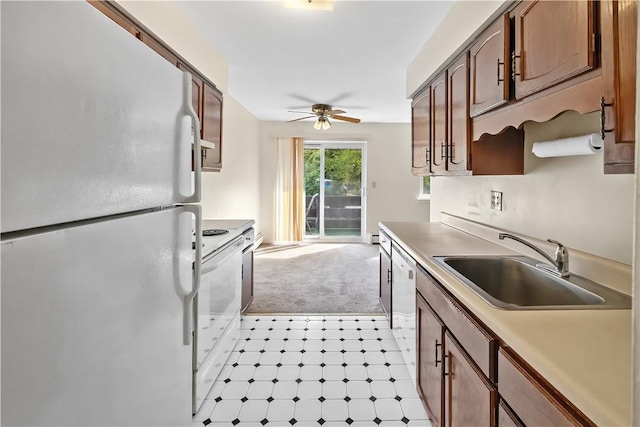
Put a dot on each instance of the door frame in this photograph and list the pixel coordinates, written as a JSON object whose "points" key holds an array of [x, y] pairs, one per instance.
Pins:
{"points": [[358, 145]]}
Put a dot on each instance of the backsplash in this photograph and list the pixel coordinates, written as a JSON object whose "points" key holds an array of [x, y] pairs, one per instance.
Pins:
{"points": [[568, 199]]}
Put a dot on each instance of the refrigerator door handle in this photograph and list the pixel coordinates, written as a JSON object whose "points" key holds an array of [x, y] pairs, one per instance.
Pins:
{"points": [[197, 160], [196, 210]]}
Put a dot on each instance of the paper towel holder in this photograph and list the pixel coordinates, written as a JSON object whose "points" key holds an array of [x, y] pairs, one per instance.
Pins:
{"points": [[603, 118]]}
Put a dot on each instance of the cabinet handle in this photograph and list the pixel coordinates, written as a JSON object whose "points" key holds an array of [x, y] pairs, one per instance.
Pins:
{"points": [[603, 117], [427, 154], [195, 123], [204, 154], [389, 276], [513, 65], [443, 151], [437, 345], [444, 365], [499, 79]]}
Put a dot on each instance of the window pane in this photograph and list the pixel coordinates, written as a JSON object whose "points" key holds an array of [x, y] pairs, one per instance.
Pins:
{"points": [[426, 185]]}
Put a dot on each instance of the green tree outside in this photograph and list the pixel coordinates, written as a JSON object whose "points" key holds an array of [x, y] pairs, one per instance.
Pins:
{"points": [[343, 171]]}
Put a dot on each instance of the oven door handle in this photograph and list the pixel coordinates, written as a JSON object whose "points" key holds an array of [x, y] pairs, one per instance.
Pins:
{"points": [[216, 259], [196, 210]]}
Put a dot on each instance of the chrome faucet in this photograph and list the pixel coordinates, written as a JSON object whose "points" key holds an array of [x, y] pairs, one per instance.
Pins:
{"points": [[561, 263]]}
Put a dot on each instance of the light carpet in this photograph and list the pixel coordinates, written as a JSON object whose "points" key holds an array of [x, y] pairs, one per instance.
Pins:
{"points": [[316, 278]]}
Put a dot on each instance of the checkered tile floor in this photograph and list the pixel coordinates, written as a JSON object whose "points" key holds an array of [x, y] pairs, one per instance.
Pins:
{"points": [[314, 371]]}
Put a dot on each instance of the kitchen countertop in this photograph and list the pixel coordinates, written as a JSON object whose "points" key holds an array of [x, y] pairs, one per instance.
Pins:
{"points": [[584, 354], [235, 227]]}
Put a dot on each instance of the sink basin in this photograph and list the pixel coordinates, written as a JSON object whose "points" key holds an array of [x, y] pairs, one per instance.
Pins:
{"points": [[515, 283]]}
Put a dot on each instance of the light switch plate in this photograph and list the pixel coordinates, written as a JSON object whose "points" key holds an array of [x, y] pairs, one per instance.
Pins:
{"points": [[496, 200]]}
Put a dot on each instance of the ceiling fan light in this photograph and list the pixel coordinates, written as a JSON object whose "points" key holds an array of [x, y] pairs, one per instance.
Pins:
{"points": [[326, 124], [318, 124]]}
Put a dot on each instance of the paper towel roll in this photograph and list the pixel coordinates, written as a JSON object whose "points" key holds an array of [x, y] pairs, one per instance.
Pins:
{"points": [[574, 146]]}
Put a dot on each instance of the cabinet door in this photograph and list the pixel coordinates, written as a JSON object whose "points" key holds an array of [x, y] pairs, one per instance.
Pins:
{"points": [[619, 35], [470, 399], [554, 42], [421, 133], [212, 128], [247, 279], [459, 131], [506, 418], [385, 284], [429, 358], [439, 124], [489, 68]]}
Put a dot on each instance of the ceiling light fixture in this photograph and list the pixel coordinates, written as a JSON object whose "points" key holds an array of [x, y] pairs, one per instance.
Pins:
{"points": [[322, 123], [326, 5]]}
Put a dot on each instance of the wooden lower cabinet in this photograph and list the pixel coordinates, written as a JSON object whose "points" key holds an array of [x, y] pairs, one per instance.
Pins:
{"points": [[430, 335], [531, 398], [247, 279], [470, 399], [385, 284], [477, 384]]}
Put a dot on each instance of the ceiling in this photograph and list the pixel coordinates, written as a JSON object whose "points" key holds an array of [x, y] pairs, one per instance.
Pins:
{"points": [[354, 57]]}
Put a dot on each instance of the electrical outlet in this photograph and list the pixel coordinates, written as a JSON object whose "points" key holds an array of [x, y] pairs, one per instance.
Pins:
{"points": [[496, 200]]}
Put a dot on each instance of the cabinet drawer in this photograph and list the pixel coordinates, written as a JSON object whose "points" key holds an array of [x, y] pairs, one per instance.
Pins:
{"points": [[478, 343], [385, 242], [534, 404]]}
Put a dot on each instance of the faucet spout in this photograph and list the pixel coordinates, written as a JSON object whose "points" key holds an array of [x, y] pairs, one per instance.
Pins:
{"points": [[561, 262]]}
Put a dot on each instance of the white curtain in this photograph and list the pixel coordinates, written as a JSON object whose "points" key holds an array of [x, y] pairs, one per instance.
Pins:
{"points": [[289, 197]]}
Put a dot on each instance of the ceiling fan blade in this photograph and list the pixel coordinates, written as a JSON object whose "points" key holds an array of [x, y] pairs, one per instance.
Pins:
{"points": [[333, 112], [301, 118], [301, 112], [346, 119]]}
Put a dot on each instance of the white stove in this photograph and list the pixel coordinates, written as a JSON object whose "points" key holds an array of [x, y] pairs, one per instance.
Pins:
{"points": [[217, 304]]}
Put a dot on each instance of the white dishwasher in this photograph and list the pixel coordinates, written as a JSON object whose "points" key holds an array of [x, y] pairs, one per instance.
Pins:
{"points": [[403, 304]]}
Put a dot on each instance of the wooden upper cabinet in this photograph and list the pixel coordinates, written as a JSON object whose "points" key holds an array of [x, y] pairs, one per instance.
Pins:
{"points": [[619, 35], [421, 133], [430, 335], [554, 41], [471, 399], [212, 128], [159, 48], [439, 124], [116, 17], [489, 68], [459, 135]]}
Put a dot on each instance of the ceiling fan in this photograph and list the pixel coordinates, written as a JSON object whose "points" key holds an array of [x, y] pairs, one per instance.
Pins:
{"points": [[323, 112]]}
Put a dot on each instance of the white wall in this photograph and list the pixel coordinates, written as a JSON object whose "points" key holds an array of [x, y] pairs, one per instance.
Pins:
{"points": [[464, 18], [234, 192], [568, 199], [388, 164]]}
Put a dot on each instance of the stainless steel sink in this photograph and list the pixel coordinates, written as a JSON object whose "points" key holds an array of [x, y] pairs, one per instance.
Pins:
{"points": [[515, 283]]}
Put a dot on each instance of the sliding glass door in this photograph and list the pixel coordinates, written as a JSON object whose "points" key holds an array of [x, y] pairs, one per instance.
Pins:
{"points": [[334, 190]]}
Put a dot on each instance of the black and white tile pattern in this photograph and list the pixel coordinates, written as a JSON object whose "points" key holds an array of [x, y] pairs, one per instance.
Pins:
{"points": [[314, 371]]}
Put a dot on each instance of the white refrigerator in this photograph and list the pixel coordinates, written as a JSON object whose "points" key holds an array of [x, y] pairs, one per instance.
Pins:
{"points": [[97, 276]]}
